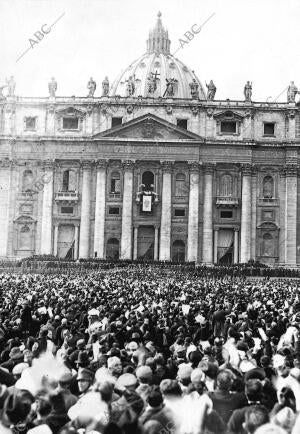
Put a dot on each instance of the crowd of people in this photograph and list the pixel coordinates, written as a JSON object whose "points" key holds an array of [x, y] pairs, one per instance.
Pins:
{"points": [[148, 350]]}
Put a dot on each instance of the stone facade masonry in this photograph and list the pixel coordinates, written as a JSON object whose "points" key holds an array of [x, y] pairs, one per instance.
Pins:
{"points": [[201, 187]]}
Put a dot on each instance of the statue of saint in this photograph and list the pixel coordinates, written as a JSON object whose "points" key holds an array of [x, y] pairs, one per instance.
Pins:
{"points": [[248, 91], [130, 86], [211, 90], [91, 87], [105, 86], [292, 92], [170, 89], [194, 86], [152, 82], [11, 84], [1, 91], [52, 86]]}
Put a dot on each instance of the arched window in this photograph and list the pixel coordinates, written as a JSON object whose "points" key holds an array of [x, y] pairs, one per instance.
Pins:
{"points": [[268, 245], [27, 180], [148, 181], [112, 249], [226, 185], [268, 187], [115, 182], [178, 251], [180, 185], [25, 238]]}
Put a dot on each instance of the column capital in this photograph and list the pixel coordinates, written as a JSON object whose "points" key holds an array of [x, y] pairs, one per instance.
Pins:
{"points": [[208, 168], [48, 164], [128, 164], [193, 166], [5, 163], [246, 169], [166, 166], [291, 169], [86, 164], [101, 164], [254, 169]]}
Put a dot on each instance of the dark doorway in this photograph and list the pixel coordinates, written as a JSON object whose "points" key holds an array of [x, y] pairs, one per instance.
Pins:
{"points": [[178, 251], [145, 243], [112, 249]]}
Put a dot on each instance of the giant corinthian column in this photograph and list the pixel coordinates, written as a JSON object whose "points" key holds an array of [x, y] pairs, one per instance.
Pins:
{"points": [[246, 213], [193, 222], [166, 212], [207, 255], [84, 238], [47, 209], [100, 209], [126, 236], [291, 214]]}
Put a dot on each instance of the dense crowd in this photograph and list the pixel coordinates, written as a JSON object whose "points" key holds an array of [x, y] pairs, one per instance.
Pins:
{"points": [[146, 349]]}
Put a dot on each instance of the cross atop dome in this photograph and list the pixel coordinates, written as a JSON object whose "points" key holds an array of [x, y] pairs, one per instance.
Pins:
{"points": [[158, 41]]}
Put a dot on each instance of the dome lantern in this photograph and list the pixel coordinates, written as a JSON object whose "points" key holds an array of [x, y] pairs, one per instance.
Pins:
{"points": [[158, 41]]}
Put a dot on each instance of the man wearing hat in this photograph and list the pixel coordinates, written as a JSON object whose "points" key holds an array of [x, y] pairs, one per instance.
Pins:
{"points": [[80, 346], [85, 379], [83, 360]]}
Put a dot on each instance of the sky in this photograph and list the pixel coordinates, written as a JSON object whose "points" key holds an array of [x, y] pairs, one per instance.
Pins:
{"points": [[254, 40]]}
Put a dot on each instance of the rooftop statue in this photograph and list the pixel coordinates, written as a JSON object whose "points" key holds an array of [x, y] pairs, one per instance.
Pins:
{"points": [[52, 86], [11, 84], [292, 92], [170, 89], [248, 91], [91, 87], [105, 86], [211, 90], [194, 86]]}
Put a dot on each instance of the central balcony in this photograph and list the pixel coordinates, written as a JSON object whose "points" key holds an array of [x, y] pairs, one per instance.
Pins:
{"points": [[67, 196], [227, 201]]}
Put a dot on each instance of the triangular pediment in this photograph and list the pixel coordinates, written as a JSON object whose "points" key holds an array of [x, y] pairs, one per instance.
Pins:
{"points": [[149, 127], [70, 112]]}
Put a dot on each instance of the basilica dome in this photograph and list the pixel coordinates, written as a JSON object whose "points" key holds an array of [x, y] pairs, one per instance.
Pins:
{"points": [[157, 73]]}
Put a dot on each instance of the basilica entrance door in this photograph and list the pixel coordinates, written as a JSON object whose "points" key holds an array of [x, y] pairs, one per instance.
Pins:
{"points": [[225, 246], [65, 244], [145, 243]]}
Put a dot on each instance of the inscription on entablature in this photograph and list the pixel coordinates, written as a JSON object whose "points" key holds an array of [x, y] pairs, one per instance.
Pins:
{"points": [[225, 152], [268, 156], [153, 150]]}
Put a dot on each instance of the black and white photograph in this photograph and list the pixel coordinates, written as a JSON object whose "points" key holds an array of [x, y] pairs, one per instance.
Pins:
{"points": [[149, 217]]}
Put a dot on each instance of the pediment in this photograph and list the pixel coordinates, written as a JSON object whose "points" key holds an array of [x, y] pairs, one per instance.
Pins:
{"points": [[70, 112], [268, 226], [149, 127], [24, 219], [228, 115]]}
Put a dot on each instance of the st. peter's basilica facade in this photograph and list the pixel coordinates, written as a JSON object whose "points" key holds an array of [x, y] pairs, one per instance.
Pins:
{"points": [[156, 168]]}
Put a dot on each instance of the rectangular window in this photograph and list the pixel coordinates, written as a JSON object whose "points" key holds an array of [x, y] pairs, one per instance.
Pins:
{"points": [[115, 121], [70, 123], [67, 210], [114, 210], [226, 214], [228, 127], [182, 123], [269, 129], [179, 212], [30, 123], [268, 215]]}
